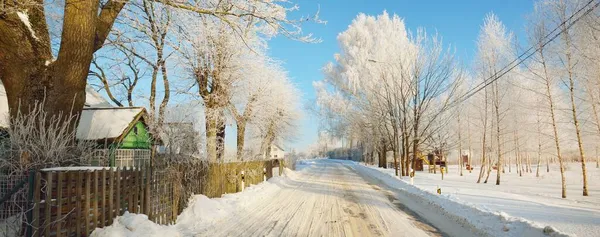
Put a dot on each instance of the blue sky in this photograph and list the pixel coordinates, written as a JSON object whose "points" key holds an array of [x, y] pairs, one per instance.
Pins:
{"points": [[457, 22]]}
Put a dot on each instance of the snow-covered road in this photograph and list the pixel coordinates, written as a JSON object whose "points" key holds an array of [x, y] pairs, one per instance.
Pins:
{"points": [[328, 198]]}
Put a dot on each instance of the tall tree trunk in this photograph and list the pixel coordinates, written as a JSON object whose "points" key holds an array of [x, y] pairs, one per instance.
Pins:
{"points": [[596, 117], [489, 170], [482, 160], [483, 147], [152, 98], [406, 145], [382, 156], [460, 161], [498, 145], [403, 157], [221, 136], [241, 132], [490, 159], [489, 164], [518, 154], [555, 131], [509, 165], [395, 154], [29, 74], [469, 141], [529, 163], [415, 156], [537, 171], [578, 132], [167, 94], [569, 66], [211, 133], [395, 146]]}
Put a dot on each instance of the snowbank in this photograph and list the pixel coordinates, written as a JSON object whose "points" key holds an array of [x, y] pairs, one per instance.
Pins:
{"points": [[135, 225], [479, 221], [200, 214]]}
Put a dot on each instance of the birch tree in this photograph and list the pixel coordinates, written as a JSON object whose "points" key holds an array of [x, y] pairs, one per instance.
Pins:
{"points": [[493, 52], [537, 31], [560, 11]]}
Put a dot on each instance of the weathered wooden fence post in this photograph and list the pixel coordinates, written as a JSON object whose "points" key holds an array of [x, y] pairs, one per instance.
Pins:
{"points": [[118, 197], [104, 204], [59, 199], [78, 193], [147, 209], [96, 199], [86, 211]]}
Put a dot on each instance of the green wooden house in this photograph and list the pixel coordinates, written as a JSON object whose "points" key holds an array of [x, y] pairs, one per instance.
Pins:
{"points": [[121, 134]]}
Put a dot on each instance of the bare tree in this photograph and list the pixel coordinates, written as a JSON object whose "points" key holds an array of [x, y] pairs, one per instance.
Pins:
{"points": [[120, 74]]}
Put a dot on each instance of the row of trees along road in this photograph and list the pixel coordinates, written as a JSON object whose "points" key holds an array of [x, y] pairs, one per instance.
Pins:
{"points": [[140, 52], [392, 90]]}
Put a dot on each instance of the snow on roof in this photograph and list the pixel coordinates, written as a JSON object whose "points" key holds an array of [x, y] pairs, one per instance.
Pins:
{"points": [[106, 123], [92, 100]]}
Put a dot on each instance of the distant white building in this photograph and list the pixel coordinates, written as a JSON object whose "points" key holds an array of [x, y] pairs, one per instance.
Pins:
{"points": [[277, 152]]}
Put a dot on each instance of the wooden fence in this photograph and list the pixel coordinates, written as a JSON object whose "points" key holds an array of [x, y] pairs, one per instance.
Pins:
{"points": [[74, 202]]}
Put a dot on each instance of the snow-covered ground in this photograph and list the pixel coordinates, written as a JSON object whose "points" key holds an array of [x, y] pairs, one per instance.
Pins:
{"points": [[201, 213], [536, 199], [344, 198], [324, 198]]}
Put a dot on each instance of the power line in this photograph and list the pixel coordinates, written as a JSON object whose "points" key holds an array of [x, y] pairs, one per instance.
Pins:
{"points": [[520, 59]]}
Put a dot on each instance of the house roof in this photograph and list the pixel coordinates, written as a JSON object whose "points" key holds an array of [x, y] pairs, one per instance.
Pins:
{"points": [[107, 123], [99, 119], [93, 99]]}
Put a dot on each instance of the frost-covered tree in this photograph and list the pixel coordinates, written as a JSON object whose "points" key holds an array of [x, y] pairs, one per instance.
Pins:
{"points": [[494, 52], [393, 83], [540, 68], [214, 58], [52, 68], [252, 96], [278, 117], [559, 11]]}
